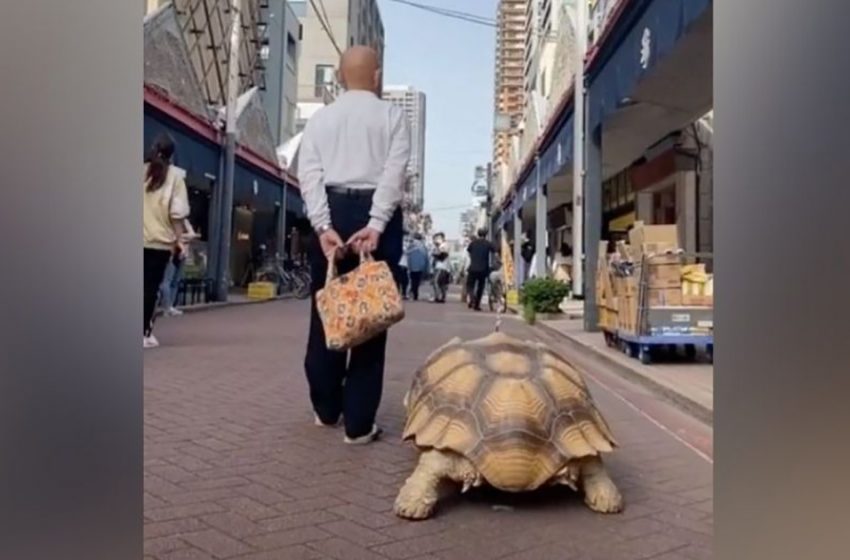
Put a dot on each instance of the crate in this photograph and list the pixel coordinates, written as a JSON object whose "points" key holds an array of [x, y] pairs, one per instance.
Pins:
{"points": [[262, 290]]}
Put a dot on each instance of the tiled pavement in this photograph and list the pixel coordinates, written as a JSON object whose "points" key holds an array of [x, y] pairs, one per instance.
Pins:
{"points": [[234, 467], [691, 381]]}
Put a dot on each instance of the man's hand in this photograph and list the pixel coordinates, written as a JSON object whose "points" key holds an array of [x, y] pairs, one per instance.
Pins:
{"points": [[331, 243], [365, 241]]}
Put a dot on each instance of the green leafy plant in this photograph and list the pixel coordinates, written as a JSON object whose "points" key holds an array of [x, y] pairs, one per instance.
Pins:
{"points": [[543, 295]]}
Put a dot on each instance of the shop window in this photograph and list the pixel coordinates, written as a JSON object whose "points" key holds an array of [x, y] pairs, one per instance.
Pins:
{"points": [[324, 78]]}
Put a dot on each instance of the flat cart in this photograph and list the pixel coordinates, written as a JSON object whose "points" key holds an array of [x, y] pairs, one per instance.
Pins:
{"points": [[664, 327]]}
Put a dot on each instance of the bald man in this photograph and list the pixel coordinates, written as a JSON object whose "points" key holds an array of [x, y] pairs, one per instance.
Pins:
{"points": [[351, 168]]}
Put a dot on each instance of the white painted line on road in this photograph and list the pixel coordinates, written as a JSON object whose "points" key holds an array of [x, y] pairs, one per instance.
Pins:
{"points": [[664, 428]]}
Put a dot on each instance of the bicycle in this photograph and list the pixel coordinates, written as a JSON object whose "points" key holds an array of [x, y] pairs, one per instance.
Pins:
{"points": [[496, 298], [295, 282]]}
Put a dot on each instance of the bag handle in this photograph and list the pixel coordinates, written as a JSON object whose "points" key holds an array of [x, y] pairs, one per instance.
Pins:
{"points": [[332, 269]]}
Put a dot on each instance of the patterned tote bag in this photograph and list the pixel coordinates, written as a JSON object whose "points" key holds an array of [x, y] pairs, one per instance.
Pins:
{"points": [[359, 305]]}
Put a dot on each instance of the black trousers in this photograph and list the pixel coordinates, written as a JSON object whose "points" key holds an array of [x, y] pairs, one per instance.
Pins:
{"points": [[402, 279], [154, 264], [475, 284], [348, 383], [415, 282]]}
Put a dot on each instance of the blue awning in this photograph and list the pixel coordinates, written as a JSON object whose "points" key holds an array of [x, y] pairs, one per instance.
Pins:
{"points": [[194, 153], [646, 32]]}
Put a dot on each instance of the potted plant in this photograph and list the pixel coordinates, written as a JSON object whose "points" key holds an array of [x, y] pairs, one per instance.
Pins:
{"points": [[542, 295]]}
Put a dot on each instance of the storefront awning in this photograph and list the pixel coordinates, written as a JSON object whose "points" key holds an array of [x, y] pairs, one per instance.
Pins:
{"points": [[643, 35], [257, 189]]}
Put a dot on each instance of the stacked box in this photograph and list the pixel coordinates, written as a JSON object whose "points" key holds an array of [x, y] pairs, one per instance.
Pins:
{"points": [[261, 290], [652, 239]]}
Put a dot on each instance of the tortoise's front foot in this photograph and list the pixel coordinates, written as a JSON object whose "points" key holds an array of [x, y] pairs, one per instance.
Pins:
{"points": [[600, 492], [418, 496], [415, 501]]}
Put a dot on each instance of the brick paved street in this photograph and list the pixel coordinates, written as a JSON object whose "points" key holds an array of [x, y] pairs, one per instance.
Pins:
{"points": [[234, 467]]}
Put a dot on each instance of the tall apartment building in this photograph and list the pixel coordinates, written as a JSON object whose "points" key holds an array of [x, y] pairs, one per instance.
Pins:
{"points": [[205, 25], [511, 38], [413, 103], [538, 28], [350, 22], [280, 57]]}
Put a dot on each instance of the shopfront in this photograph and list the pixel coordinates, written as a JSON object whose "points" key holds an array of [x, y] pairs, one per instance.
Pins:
{"points": [[618, 207], [258, 225]]}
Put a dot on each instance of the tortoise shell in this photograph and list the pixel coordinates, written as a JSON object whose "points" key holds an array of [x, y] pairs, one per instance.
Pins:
{"points": [[516, 409]]}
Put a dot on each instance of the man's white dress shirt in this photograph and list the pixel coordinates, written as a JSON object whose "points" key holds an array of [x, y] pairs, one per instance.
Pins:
{"points": [[357, 142]]}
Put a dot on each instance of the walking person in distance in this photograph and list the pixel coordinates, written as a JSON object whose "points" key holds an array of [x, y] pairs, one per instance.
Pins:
{"points": [[417, 264], [479, 250], [351, 167], [164, 209], [168, 290], [403, 277]]}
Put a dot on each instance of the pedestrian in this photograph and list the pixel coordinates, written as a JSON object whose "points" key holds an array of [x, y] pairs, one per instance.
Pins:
{"points": [[479, 250], [462, 278], [562, 264], [170, 287], [295, 247], [164, 209], [527, 253], [352, 162], [440, 266], [403, 278], [417, 264]]}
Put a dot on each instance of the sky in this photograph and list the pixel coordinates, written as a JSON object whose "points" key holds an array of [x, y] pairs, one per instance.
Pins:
{"points": [[452, 62]]}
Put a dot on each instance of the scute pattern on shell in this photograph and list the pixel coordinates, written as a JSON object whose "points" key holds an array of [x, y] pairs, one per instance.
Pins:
{"points": [[516, 409]]}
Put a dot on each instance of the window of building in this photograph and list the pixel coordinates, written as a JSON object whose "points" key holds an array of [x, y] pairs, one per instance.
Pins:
{"points": [[324, 78], [292, 50]]}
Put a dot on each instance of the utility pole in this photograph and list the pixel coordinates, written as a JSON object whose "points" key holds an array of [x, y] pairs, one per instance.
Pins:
{"points": [[578, 149], [222, 276]]}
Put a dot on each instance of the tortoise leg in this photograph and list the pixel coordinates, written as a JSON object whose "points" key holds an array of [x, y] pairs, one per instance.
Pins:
{"points": [[420, 492], [600, 493]]}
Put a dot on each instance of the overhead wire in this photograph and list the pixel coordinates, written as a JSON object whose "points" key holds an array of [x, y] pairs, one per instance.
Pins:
{"points": [[455, 14], [324, 12], [326, 26]]}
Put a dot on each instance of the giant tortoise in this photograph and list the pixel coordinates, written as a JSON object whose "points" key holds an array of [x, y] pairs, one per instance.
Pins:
{"points": [[509, 413]]}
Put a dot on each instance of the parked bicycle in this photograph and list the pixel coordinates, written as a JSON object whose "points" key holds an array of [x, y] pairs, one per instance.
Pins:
{"points": [[290, 279]]}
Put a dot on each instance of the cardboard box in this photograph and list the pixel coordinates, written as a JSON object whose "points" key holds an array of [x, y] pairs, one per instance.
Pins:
{"points": [[663, 275], [658, 248], [642, 234], [697, 300], [664, 297], [626, 285], [627, 314]]}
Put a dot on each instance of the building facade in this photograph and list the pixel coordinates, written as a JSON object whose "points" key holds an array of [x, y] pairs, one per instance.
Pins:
{"points": [[412, 102], [205, 25], [511, 38], [348, 22], [280, 58]]}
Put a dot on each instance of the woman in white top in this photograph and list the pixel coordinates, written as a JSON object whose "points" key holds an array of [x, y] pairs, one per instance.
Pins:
{"points": [[165, 206]]}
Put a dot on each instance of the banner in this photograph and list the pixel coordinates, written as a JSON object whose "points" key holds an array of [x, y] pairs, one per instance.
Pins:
{"points": [[507, 264]]}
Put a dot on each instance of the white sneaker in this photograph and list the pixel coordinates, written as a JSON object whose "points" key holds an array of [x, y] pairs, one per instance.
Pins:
{"points": [[318, 422], [368, 438], [173, 312], [150, 342]]}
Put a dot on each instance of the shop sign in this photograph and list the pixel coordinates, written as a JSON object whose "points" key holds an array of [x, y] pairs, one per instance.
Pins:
{"points": [[645, 48]]}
